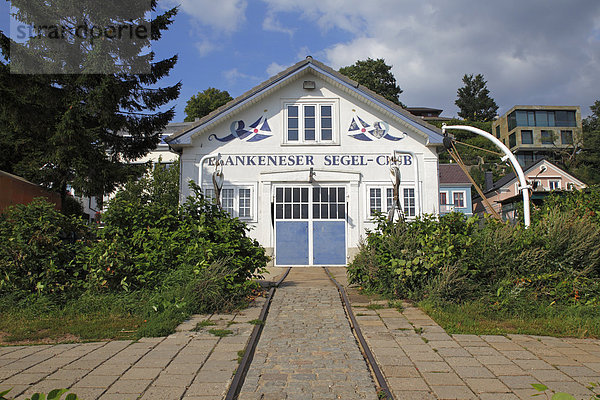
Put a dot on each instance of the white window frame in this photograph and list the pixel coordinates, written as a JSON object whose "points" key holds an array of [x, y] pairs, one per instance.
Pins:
{"points": [[382, 200], [233, 200], [386, 191], [209, 193], [404, 207], [447, 194], [464, 198], [553, 181], [335, 132]]}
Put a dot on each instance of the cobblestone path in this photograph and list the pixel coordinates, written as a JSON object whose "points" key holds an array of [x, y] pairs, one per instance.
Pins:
{"points": [[307, 350]]}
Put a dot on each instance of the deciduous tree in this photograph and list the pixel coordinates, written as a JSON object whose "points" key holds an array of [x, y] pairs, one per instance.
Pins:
{"points": [[205, 102], [377, 76], [588, 158]]}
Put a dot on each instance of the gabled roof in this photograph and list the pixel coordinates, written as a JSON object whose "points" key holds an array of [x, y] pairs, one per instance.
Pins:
{"points": [[183, 137], [508, 179], [452, 174]]}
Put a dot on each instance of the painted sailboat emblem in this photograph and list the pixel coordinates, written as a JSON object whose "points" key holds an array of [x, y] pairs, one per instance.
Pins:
{"points": [[361, 130], [255, 132]]}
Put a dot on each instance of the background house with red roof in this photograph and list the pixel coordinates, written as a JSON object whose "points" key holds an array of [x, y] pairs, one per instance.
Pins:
{"points": [[455, 190]]}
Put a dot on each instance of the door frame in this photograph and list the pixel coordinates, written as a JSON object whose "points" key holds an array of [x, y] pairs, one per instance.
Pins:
{"points": [[311, 186]]}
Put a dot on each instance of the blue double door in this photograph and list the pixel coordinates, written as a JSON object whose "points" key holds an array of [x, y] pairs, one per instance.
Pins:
{"points": [[310, 225]]}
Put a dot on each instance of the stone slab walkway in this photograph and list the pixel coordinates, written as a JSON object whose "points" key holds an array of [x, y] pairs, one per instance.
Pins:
{"points": [[186, 365], [421, 361], [307, 350]]}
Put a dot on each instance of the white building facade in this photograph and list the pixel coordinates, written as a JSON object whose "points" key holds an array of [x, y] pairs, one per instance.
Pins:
{"points": [[306, 161]]}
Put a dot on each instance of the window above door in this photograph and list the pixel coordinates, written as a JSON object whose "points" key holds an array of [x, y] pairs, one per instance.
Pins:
{"points": [[312, 123]]}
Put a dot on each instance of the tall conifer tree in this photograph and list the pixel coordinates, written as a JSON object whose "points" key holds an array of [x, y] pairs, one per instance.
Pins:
{"points": [[80, 108], [474, 100]]}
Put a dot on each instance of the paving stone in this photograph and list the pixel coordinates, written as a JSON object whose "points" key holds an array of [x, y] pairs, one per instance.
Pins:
{"points": [[430, 366], [506, 370], [164, 393], [413, 384], [547, 375], [487, 385], [453, 392], [574, 371], [97, 381], [473, 372], [498, 396], [463, 361], [518, 381], [570, 387], [394, 371], [444, 378], [24, 379], [530, 365], [129, 386], [414, 395], [88, 393]]}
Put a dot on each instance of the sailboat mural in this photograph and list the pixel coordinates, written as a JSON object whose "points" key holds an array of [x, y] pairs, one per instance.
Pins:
{"points": [[361, 130], [258, 130]]}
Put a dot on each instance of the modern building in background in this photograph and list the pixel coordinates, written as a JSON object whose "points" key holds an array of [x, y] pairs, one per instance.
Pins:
{"points": [[536, 132], [455, 190]]}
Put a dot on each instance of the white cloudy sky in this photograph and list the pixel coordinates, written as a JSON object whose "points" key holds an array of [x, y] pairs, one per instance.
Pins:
{"points": [[529, 51]]}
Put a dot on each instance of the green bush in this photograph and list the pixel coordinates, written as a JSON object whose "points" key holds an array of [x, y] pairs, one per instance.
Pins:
{"points": [[155, 259], [147, 235], [39, 248], [455, 258]]}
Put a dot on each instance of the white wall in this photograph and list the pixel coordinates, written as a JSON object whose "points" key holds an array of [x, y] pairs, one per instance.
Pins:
{"points": [[422, 173]]}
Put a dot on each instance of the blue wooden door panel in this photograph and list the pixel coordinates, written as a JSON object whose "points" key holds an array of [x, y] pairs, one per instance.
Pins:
{"points": [[329, 242], [291, 242]]}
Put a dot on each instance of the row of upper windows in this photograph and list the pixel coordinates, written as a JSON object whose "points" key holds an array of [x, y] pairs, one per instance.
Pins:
{"points": [[547, 137], [541, 118]]}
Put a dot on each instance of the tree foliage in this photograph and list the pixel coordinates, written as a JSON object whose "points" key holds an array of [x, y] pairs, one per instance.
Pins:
{"points": [[68, 128], [205, 102], [587, 161], [474, 101], [377, 76]]}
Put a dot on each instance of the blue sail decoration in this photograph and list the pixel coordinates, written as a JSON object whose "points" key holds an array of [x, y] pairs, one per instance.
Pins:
{"points": [[238, 130], [368, 133], [354, 127]]}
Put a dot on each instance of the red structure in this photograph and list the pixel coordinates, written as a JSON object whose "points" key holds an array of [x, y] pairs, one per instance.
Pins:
{"points": [[16, 190]]}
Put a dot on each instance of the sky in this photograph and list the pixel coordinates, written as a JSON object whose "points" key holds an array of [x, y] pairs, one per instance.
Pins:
{"points": [[541, 52]]}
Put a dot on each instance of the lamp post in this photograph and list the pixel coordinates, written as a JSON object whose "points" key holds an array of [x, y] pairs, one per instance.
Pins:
{"points": [[524, 187]]}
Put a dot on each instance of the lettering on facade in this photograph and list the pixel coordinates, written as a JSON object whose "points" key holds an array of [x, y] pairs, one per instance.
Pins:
{"points": [[327, 160]]}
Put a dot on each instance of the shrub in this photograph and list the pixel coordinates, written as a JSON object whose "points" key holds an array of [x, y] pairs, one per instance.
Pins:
{"points": [[147, 235], [39, 248], [555, 261]]}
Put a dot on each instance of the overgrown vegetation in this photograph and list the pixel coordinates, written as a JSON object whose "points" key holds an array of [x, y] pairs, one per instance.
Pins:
{"points": [[493, 270], [152, 265]]}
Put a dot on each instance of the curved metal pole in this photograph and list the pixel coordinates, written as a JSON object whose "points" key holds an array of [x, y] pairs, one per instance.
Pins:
{"points": [[524, 186]]}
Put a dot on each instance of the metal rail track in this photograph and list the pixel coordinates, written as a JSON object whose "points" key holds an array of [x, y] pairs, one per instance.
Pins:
{"points": [[240, 374], [383, 386], [242, 370]]}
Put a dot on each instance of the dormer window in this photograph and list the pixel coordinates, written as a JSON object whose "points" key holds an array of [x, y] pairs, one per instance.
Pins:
{"points": [[309, 123]]}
